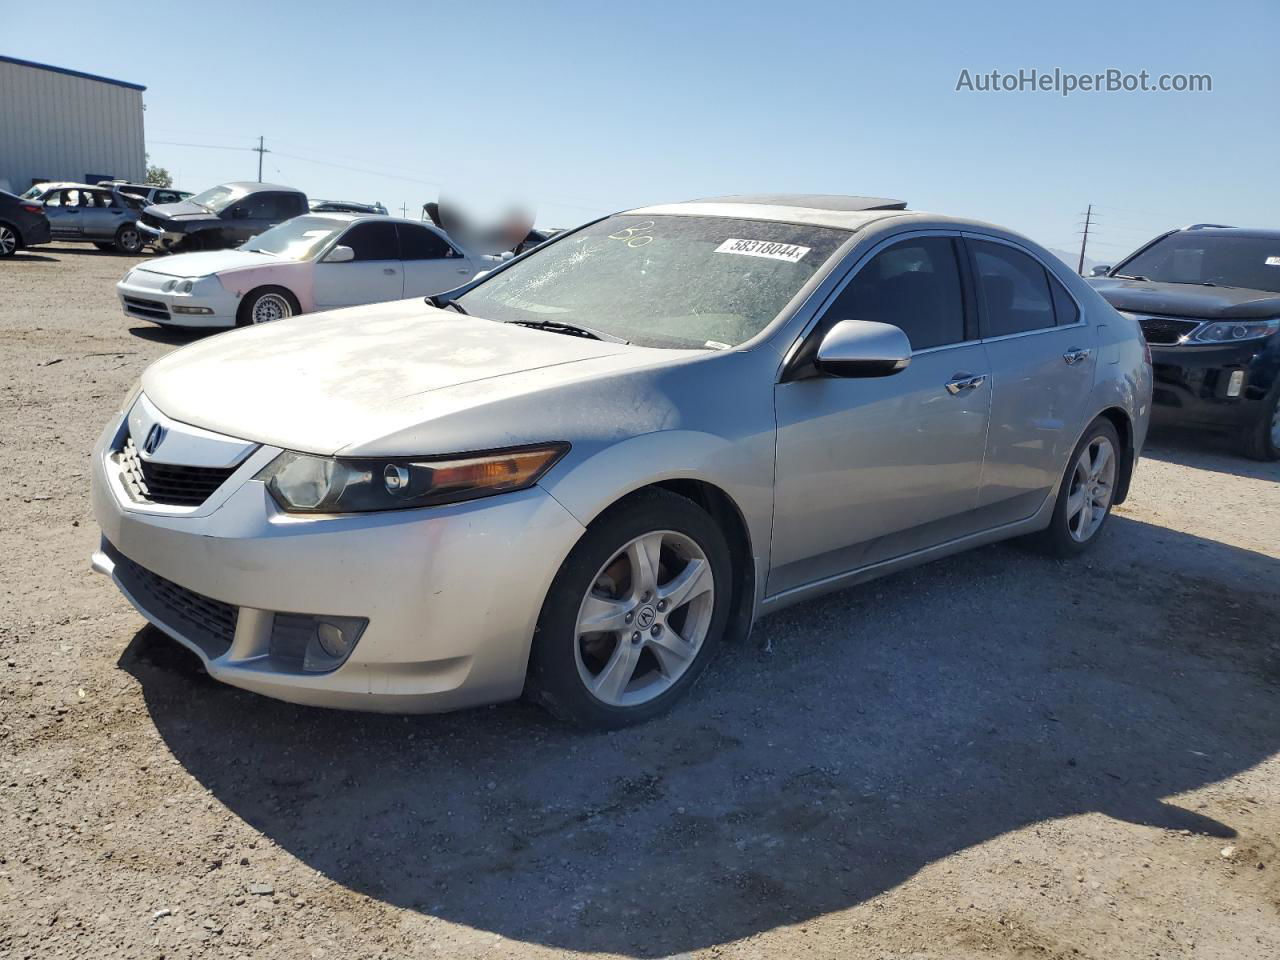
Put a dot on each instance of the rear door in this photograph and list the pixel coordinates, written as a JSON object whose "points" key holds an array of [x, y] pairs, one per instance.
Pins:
{"points": [[373, 276], [102, 215], [1042, 359], [872, 469], [431, 263]]}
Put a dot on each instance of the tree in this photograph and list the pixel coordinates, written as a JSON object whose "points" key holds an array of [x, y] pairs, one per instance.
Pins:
{"points": [[158, 176]]}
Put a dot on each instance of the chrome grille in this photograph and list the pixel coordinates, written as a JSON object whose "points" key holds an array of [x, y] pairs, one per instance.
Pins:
{"points": [[1166, 330], [203, 620], [168, 483]]}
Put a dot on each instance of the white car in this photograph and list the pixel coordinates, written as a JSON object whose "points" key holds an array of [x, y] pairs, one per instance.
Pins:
{"points": [[318, 261]]}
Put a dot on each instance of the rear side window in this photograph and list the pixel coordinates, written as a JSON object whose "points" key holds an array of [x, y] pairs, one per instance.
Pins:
{"points": [[1064, 307], [419, 243], [914, 285], [272, 206], [1014, 289], [372, 241]]}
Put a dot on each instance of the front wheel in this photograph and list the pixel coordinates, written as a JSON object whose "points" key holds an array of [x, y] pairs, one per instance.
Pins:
{"points": [[8, 240], [129, 239], [635, 613], [1262, 440], [1087, 491], [266, 305]]}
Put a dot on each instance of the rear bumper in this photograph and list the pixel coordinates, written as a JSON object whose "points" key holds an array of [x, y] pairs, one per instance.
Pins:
{"points": [[1193, 385], [36, 233]]}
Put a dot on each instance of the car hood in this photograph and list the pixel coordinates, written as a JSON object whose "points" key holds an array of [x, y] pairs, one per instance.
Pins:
{"points": [[209, 261], [182, 210], [329, 382], [1187, 300]]}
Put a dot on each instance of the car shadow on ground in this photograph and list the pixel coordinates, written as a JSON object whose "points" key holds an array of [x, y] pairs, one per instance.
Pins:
{"points": [[34, 257], [175, 336], [891, 726], [1204, 450]]}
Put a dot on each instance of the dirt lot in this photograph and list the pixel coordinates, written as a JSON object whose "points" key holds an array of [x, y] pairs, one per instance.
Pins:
{"points": [[996, 755]]}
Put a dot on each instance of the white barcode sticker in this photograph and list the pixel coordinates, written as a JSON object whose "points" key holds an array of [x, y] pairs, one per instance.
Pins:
{"points": [[1273, 261], [788, 252]]}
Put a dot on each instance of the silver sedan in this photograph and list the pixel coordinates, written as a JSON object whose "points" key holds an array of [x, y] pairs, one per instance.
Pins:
{"points": [[576, 476]]}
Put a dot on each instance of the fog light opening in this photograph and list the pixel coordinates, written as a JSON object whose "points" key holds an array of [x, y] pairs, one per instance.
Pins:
{"points": [[1235, 383]]}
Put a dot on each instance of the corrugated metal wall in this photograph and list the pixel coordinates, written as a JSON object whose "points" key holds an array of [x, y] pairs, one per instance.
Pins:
{"points": [[59, 127]]}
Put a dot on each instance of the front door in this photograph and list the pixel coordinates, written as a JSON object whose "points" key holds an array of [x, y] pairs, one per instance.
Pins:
{"points": [[872, 469], [373, 276], [1042, 368], [431, 263], [63, 208]]}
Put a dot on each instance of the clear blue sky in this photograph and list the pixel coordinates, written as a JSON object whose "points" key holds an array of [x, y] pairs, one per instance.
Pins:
{"points": [[583, 108]]}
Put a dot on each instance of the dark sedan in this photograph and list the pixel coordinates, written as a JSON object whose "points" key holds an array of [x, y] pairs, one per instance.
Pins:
{"points": [[221, 217], [22, 224], [1208, 301]]}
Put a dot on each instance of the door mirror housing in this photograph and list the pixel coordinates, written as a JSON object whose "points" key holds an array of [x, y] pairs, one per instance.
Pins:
{"points": [[1101, 270], [340, 254], [507, 254], [863, 348], [239, 213]]}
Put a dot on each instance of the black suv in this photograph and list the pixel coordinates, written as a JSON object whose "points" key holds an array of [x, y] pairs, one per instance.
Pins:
{"points": [[223, 216], [22, 224], [1208, 300]]}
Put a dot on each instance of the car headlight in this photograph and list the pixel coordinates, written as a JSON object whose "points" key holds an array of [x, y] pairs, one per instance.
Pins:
{"points": [[301, 483], [131, 396], [169, 285], [185, 286], [1229, 331]]}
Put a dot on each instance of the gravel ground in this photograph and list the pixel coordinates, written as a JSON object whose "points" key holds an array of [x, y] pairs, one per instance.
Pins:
{"points": [[995, 755]]}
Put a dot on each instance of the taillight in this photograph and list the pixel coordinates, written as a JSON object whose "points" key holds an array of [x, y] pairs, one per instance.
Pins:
{"points": [[32, 208]]}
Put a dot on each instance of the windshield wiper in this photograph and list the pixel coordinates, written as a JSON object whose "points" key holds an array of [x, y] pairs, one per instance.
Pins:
{"points": [[569, 329], [1126, 276], [440, 303]]}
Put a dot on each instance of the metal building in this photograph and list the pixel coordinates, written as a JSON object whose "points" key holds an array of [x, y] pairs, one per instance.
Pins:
{"points": [[58, 124]]}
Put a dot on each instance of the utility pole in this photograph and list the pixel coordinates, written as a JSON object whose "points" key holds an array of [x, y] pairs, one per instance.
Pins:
{"points": [[404, 211], [260, 150], [1088, 219]]}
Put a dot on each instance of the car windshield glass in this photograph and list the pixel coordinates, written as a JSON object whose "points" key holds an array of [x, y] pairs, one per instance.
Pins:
{"points": [[298, 239], [33, 192], [665, 281], [218, 198], [1192, 256]]}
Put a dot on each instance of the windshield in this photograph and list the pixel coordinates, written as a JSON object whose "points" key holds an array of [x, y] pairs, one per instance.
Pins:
{"points": [[1191, 256], [217, 199], [298, 239], [666, 281], [33, 193]]}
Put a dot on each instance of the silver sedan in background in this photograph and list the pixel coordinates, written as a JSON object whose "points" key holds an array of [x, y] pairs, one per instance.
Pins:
{"points": [[575, 476]]}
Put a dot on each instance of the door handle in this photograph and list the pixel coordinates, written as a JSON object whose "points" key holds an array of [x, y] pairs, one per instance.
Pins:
{"points": [[1075, 355], [389, 271], [464, 270], [964, 381]]}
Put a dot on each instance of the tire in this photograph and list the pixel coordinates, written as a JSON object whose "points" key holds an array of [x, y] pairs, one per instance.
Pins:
{"points": [[624, 675], [104, 246], [266, 304], [129, 240], [10, 241], [1071, 531], [1262, 440]]}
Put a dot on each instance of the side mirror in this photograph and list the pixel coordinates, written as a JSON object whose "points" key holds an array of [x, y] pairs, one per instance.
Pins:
{"points": [[863, 348], [1101, 270], [506, 254], [340, 254]]}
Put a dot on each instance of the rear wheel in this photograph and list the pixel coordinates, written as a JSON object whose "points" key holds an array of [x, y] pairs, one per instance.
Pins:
{"points": [[265, 305], [8, 240], [1086, 492], [635, 613], [129, 240], [1262, 440]]}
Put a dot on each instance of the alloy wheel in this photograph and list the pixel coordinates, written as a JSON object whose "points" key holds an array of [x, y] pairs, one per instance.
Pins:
{"points": [[271, 306], [130, 241], [1092, 486], [644, 618], [8, 241], [1275, 425]]}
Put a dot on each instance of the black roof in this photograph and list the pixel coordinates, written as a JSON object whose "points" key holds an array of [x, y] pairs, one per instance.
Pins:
{"points": [[814, 201], [71, 73]]}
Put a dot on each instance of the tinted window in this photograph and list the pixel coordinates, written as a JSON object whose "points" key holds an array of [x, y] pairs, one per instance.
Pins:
{"points": [[269, 206], [914, 285], [103, 198], [372, 241], [166, 196], [1063, 306], [1014, 290], [419, 243]]}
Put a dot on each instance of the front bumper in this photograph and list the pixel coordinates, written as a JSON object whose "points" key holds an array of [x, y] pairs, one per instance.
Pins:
{"points": [[451, 594], [142, 297], [1193, 383], [160, 238]]}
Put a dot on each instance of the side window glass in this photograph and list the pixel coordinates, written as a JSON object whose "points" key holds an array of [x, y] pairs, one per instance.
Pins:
{"points": [[1014, 290], [419, 243], [914, 285], [163, 196], [372, 241], [103, 199], [1064, 307], [71, 198]]}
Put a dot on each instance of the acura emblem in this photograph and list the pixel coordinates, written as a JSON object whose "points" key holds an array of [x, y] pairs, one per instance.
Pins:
{"points": [[154, 436]]}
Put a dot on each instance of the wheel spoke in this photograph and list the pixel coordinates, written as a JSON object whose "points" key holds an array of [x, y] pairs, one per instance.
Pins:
{"points": [[602, 615], [1100, 461], [1086, 517], [672, 651], [643, 555], [617, 673], [1075, 503], [693, 581]]}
